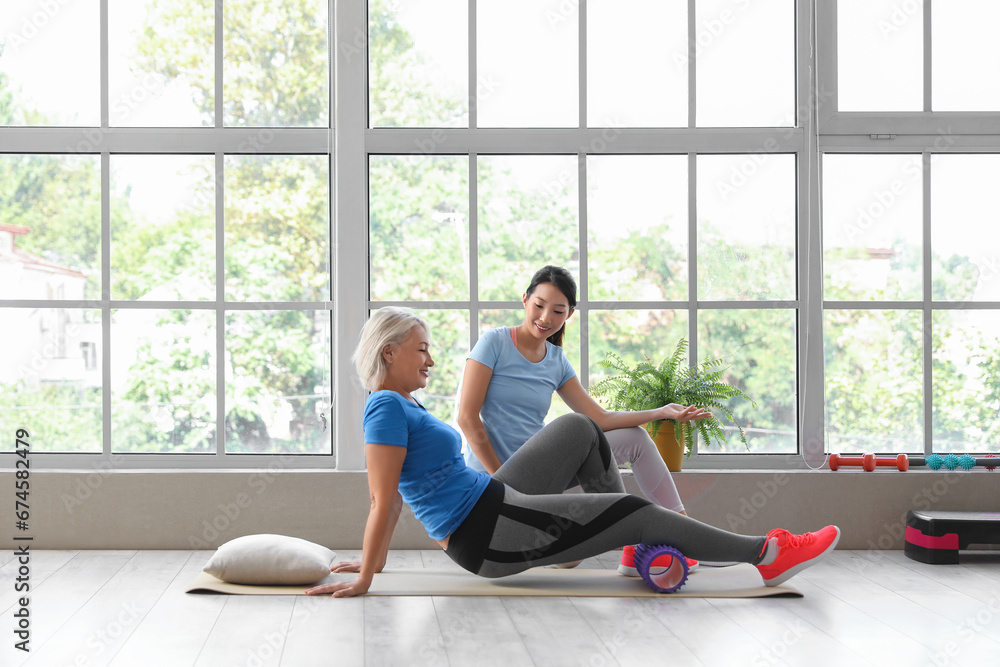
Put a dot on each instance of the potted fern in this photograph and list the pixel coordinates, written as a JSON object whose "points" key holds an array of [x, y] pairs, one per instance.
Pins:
{"points": [[647, 386]]}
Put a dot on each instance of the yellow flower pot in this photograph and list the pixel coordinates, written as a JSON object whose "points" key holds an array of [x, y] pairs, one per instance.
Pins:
{"points": [[672, 453]]}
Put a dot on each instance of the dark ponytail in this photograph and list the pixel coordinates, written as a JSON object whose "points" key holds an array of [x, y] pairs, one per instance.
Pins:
{"points": [[563, 281]]}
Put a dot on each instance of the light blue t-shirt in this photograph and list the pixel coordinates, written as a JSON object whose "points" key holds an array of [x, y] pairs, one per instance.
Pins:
{"points": [[520, 391], [435, 481]]}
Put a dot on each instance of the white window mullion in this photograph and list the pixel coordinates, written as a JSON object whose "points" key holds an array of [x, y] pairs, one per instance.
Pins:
{"points": [[583, 63], [220, 304], [105, 242], [473, 264], [105, 74], [351, 226], [692, 63], [810, 360], [928, 313], [825, 63], [583, 292], [928, 57], [473, 69], [220, 242], [692, 304], [219, 62], [106, 302]]}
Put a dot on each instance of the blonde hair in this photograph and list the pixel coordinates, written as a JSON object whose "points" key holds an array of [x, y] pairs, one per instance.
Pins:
{"points": [[387, 326]]}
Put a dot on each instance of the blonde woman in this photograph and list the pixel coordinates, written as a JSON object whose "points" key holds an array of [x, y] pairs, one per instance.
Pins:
{"points": [[415, 458]]}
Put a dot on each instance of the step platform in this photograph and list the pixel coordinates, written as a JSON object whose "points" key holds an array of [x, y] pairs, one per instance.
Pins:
{"points": [[937, 537]]}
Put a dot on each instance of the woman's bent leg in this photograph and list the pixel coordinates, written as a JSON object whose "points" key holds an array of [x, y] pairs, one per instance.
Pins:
{"points": [[633, 445], [570, 448]]}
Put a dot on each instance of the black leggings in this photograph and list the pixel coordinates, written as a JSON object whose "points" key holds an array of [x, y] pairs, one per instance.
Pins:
{"points": [[523, 519]]}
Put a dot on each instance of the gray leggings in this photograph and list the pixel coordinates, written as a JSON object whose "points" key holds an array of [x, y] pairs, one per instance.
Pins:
{"points": [[524, 520]]}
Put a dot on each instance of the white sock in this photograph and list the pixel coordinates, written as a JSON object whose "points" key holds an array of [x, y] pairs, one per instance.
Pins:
{"points": [[770, 552]]}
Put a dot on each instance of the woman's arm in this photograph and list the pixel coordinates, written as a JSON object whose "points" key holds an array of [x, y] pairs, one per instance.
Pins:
{"points": [[385, 464], [475, 381], [578, 400]]}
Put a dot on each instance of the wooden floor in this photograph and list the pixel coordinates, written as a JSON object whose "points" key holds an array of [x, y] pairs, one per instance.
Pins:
{"points": [[128, 608]]}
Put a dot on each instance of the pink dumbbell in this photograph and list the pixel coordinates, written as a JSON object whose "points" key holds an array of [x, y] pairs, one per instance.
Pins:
{"points": [[869, 461]]}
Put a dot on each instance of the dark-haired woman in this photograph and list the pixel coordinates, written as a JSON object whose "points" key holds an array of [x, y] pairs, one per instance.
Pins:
{"points": [[511, 374]]}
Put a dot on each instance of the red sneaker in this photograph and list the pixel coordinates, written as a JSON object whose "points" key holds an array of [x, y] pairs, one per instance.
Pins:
{"points": [[627, 566], [796, 552]]}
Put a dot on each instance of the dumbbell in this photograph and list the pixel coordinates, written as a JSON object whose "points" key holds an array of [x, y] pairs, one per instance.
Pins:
{"points": [[869, 461]]}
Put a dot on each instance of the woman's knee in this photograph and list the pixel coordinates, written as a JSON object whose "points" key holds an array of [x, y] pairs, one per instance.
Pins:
{"points": [[578, 424], [629, 444]]}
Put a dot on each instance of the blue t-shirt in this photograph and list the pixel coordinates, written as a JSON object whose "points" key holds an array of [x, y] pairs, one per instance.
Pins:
{"points": [[520, 391], [435, 481]]}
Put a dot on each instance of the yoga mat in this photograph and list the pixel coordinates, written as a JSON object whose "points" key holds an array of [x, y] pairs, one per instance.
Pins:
{"points": [[739, 581]]}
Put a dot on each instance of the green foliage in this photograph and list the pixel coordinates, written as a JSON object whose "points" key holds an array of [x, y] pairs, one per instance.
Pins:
{"points": [[400, 91], [59, 199], [60, 418], [645, 257], [419, 225], [647, 386], [277, 222], [276, 58]]}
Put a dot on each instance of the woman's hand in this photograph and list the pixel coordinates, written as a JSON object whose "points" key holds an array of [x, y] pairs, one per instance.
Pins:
{"points": [[341, 589], [679, 413], [346, 566]]}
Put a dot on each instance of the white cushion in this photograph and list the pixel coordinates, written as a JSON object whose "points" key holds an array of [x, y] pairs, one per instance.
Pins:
{"points": [[270, 560]]}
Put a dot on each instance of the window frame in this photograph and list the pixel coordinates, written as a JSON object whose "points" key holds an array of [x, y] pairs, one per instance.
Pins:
{"points": [[348, 141], [925, 133], [583, 141], [218, 141]]}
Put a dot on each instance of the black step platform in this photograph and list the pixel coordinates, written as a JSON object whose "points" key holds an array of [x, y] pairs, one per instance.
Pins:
{"points": [[937, 537]]}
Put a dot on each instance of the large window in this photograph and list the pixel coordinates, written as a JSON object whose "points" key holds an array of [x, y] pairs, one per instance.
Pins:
{"points": [[695, 185], [910, 235], [610, 161], [200, 208], [165, 238]]}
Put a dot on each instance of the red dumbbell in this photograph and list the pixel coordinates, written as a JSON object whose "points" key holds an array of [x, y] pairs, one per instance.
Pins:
{"points": [[869, 461]]}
